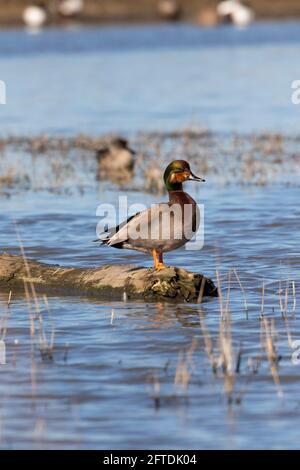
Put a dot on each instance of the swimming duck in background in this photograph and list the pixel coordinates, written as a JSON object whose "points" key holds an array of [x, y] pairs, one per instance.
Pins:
{"points": [[70, 8], [235, 12], [35, 16], [169, 9], [115, 160], [165, 226]]}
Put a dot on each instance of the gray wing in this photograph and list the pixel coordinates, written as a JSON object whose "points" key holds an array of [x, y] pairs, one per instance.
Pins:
{"points": [[106, 235], [152, 228], [126, 230]]}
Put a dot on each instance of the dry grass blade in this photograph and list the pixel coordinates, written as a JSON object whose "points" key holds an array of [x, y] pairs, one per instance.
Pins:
{"points": [[51, 320], [182, 374], [201, 290], [262, 307], [271, 355], [286, 299], [242, 290], [30, 313], [185, 367], [9, 298], [280, 298], [227, 305], [154, 391], [5, 317], [112, 317], [294, 298], [208, 343], [32, 288], [225, 360], [220, 295], [46, 350]]}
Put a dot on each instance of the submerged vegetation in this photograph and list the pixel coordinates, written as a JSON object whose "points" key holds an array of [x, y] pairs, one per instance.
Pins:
{"points": [[233, 365], [70, 164]]}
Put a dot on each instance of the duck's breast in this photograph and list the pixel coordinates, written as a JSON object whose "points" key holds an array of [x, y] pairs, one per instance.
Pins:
{"points": [[190, 211]]}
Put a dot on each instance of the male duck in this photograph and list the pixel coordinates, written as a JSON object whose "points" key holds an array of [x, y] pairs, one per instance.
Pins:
{"points": [[165, 226]]}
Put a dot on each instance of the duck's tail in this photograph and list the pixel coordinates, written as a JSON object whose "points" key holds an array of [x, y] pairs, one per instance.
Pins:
{"points": [[108, 233], [106, 236], [102, 241]]}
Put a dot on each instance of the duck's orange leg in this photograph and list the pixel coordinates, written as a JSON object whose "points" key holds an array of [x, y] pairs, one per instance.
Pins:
{"points": [[158, 260]]}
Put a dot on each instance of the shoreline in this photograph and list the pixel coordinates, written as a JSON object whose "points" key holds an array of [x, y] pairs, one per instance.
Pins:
{"points": [[109, 12], [69, 25]]}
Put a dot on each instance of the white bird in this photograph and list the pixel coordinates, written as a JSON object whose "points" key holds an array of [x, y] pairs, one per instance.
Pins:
{"points": [[240, 15], [70, 7], [35, 16]]}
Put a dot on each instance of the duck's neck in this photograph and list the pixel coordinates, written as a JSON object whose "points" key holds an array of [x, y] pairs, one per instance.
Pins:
{"points": [[175, 194], [178, 196]]}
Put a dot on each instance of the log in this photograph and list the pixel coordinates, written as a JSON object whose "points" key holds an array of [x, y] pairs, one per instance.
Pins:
{"points": [[105, 282]]}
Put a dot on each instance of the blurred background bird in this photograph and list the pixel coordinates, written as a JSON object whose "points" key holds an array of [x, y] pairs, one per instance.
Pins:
{"points": [[35, 16], [116, 161]]}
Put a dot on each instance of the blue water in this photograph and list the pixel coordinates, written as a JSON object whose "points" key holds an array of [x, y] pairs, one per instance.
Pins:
{"points": [[152, 77], [107, 369]]}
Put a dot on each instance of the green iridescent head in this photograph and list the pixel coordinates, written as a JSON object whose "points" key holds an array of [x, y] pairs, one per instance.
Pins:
{"points": [[176, 173]]}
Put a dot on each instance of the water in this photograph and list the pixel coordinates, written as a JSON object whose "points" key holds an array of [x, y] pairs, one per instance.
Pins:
{"points": [[111, 381], [159, 77]]}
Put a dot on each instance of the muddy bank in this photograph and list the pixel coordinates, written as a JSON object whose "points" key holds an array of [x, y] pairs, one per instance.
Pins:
{"points": [[136, 11]]}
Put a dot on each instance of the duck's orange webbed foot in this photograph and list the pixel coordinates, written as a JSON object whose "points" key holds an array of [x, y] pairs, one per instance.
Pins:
{"points": [[160, 266], [158, 260]]}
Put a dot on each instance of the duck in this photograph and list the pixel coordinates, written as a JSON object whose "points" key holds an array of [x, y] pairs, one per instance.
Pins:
{"points": [[169, 9], [70, 8], [235, 12], [116, 159], [35, 16], [165, 226]]}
